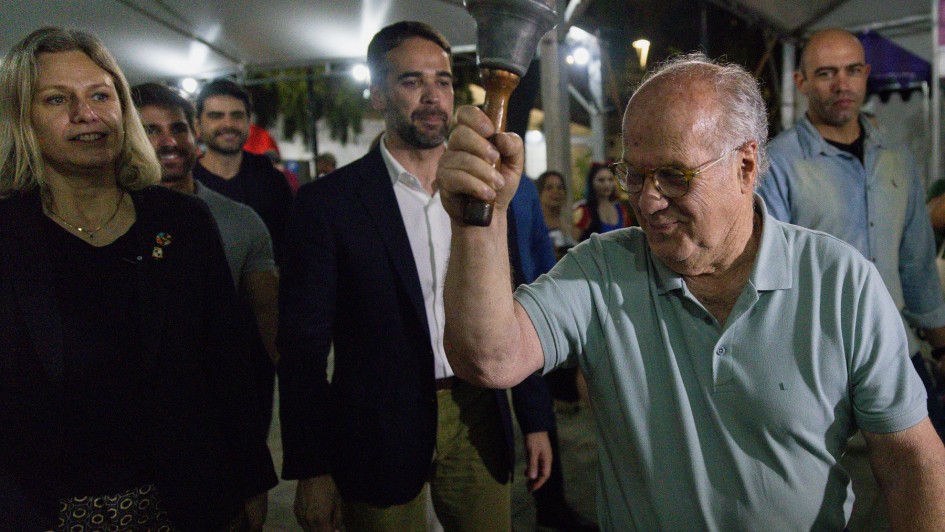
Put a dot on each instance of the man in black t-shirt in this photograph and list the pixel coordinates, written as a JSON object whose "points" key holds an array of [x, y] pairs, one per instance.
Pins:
{"points": [[223, 110]]}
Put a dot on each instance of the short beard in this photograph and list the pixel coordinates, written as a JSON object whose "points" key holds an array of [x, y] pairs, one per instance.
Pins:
{"points": [[225, 150], [412, 135], [213, 146], [190, 158]]}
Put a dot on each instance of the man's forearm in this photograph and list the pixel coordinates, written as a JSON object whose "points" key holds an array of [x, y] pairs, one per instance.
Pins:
{"points": [[909, 467], [267, 320], [481, 335], [262, 290], [916, 499]]}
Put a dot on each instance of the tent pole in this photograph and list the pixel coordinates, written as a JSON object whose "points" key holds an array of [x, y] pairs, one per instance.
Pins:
{"points": [[935, 171], [556, 102], [787, 85]]}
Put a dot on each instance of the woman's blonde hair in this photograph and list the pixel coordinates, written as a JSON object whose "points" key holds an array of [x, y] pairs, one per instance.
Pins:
{"points": [[21, 161]]}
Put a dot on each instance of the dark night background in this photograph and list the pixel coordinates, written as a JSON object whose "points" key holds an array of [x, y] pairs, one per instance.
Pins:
{"points": [[672, 27]]}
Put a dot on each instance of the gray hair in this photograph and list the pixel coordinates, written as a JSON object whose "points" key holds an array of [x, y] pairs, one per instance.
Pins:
{"points": [[742, 111]]}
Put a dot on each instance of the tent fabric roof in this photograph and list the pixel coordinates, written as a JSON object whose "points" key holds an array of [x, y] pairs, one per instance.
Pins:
{"points": [[167, 39], [798, 19], [892, 67], [157, 39], [793, 17]]}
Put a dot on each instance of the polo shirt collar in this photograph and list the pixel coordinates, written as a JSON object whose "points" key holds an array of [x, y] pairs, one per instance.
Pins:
{"points": [[772, 269], [666, 280], [813, 143]]}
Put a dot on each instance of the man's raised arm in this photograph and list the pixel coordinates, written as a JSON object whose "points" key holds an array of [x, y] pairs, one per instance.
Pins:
{"points": [[489, 339]]}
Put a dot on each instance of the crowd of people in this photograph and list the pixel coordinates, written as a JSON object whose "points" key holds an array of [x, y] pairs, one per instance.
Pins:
{"points": [[733, 310]]}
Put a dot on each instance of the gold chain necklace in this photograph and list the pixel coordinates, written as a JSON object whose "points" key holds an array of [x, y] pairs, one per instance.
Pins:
{"points": [[85, 231]]}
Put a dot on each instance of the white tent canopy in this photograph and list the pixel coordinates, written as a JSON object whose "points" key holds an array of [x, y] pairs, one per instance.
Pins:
{"points": [[171, 39], [160, 39], [791, 17], [166, 39]]}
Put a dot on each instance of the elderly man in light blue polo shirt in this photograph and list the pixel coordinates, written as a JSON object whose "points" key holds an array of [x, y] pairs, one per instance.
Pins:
{"points": [[729, 356]]}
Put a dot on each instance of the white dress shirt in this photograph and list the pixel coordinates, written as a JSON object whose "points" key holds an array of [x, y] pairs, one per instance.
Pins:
{"points": [[429, 232]]}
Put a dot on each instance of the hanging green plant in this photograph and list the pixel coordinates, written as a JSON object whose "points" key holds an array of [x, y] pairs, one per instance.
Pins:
{"points": [[303, 96], [265, 99], [464, 74], [343, 108]]}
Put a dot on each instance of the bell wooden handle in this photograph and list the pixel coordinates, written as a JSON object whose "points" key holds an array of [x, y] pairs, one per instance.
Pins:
{"points": [[499, 85]]}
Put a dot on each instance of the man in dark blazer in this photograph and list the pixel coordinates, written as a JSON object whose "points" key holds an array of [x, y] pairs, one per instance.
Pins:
{"points": [[364, 270]]}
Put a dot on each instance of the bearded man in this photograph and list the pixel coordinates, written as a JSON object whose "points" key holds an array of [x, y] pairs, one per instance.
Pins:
{"points": [[223, 113], [364, 270]]}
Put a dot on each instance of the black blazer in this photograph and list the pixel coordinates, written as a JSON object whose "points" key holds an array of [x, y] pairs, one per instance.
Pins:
{"points": [[350, 278], [208, 451]]}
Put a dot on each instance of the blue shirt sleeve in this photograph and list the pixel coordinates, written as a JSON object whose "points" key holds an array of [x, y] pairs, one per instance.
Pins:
{"points": [[775, 190], [535, 248], [921, 287]]}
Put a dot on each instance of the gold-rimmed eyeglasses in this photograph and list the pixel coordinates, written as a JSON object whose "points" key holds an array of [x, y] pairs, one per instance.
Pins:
{"points": [[669, 181]]}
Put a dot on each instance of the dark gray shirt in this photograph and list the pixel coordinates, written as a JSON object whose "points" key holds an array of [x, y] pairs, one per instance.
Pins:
{"points": [[246, 240]]}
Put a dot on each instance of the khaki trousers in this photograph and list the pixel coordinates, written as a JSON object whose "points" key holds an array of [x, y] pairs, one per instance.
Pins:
{"points": [[469, 481]]}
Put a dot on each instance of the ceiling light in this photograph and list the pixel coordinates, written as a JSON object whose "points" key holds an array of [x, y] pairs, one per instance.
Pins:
{"points": [[642, 47], [189, 85], [581, 55], [360, 73]]}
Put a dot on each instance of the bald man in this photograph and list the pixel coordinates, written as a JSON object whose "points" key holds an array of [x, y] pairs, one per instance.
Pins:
{"points": [[835, 172]]}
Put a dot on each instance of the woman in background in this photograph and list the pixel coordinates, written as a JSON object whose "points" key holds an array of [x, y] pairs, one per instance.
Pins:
{"points": [[601, 210], [552, 195]]}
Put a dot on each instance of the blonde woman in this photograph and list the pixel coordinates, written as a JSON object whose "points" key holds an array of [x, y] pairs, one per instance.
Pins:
{"points": [[123, 381]]}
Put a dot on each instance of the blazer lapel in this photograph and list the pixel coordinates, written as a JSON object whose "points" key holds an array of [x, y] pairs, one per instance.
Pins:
{"points": [[377, 195], [31, 274]]}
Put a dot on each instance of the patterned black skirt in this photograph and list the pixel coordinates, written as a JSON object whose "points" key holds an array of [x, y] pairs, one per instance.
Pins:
{"points": [[137, 509]]}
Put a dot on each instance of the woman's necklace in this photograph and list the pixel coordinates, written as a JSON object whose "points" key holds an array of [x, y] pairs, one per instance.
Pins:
{"points": [[89, 232]]}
